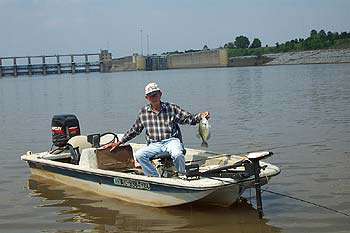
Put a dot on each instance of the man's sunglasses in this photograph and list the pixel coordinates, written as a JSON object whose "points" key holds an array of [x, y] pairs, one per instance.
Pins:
{"points": [[153, 94]]}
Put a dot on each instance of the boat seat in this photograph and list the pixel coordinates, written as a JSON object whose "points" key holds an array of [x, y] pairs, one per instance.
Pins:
{"points": [[166, 155], [88, 159], [177, 134], [163, 155], [165, 164], [97, 140], [76, 145]]}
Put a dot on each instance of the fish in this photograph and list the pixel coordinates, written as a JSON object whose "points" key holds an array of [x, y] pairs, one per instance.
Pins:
{"points": [[203, 131]]}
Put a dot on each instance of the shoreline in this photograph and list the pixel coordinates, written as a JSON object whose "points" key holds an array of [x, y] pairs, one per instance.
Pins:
{"points": [[329, 56]]}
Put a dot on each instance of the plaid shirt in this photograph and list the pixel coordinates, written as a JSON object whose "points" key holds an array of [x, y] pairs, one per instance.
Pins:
{"points": [[161, 125]]}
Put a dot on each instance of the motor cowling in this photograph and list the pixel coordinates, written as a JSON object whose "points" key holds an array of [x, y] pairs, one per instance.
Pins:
{"points": [[64, 127]]}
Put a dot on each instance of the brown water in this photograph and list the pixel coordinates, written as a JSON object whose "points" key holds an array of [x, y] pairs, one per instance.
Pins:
{"points": [[302, 113]]}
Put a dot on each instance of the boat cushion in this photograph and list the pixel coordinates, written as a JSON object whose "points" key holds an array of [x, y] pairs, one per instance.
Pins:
{"points": [[120, 159]]}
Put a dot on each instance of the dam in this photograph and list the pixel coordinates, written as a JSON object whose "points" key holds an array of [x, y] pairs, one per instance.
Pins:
{"points": [[198, 59], [103, 62]]}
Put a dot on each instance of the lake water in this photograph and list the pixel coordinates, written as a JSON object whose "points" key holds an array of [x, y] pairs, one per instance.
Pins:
{"points": [[301, 113]]}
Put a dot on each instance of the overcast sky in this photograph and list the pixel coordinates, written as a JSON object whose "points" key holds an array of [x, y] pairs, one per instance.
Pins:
{"points": [[35, 27]]}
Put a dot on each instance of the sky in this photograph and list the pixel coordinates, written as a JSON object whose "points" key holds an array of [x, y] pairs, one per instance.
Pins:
{"points": [[124, 27]]}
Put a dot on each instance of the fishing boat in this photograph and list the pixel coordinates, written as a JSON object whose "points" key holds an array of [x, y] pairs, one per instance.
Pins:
{"points": [[211, 178]]}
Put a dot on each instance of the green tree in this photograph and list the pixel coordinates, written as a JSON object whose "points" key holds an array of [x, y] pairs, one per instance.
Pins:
{"points": [[322, 34], [241, 42], [343, 35], [335, 35], [329, 35], [313, 33], [229, 45], [256, 43], [288, 46], [314, 43]]}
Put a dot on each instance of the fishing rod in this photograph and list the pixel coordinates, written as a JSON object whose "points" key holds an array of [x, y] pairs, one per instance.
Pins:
{"points": [[274, 147], [242, 154], [297, 144]]}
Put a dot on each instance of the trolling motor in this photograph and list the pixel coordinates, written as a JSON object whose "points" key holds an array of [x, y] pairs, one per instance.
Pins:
{"points": [[255, 157]]}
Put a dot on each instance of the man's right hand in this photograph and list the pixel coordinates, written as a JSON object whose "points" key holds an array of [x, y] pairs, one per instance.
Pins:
{"points": [[112, 146]]}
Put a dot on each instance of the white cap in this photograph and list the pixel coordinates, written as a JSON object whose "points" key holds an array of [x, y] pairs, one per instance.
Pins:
{"points": [[151, 87]]}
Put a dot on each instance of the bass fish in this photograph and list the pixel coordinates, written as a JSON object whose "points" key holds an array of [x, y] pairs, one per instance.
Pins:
{"points": [[203, 131]]}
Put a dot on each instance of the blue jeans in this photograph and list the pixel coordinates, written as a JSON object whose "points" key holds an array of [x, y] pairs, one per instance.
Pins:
{"points": [[172, 145]]}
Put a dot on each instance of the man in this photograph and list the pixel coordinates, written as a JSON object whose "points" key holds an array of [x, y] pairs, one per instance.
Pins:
{"points": [[160, 120]]}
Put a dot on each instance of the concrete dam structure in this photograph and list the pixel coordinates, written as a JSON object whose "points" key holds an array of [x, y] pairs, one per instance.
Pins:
{"points": [[129, 63], [201, 59], [50, 64]]}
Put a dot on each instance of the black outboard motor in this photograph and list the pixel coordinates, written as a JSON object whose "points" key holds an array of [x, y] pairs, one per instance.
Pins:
{"points": [[64, 127]]}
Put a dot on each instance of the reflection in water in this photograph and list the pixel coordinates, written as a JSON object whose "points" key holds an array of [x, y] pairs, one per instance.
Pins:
{"points": [[101, 214]]}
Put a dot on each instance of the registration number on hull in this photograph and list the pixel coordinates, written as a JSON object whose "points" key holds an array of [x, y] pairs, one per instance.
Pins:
{"points": [[135, 184]]}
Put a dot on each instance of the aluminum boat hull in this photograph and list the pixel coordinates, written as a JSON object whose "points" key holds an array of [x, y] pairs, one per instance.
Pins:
{"points": [[139, 189]]}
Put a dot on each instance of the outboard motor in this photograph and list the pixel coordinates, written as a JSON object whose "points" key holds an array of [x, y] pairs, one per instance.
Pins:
{"points": [[64, 127]]}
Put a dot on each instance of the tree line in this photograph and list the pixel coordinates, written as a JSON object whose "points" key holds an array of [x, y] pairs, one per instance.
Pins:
{"points": [[241, 46]]}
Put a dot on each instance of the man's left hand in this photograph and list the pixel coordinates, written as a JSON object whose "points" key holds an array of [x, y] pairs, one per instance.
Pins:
{"points": [[205, 115]]}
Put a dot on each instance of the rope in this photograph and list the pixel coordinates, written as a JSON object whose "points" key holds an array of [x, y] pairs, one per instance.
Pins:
{"points": [[309, 202], [291, 197]]}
